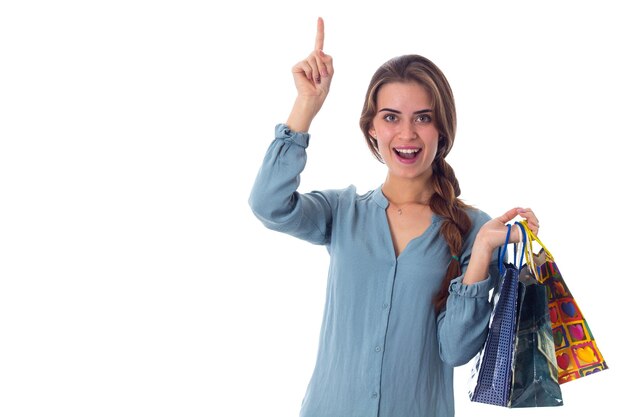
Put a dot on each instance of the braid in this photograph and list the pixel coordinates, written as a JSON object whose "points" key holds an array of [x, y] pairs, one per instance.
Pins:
{"points": [[456, 223]]}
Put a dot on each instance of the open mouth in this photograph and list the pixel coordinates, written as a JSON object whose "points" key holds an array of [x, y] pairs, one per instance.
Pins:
{"points": [[407, 154]]}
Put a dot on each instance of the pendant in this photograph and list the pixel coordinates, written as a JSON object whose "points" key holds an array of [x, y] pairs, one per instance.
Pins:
{"points": [[400, 211]]}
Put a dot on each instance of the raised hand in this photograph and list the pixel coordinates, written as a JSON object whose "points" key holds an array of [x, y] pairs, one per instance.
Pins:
{"points": [[312, 77]]}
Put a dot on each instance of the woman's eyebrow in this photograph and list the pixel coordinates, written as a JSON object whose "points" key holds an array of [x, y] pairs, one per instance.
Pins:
{"points": [[398, 112]]}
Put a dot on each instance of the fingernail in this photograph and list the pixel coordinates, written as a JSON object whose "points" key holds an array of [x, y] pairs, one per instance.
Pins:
{"points": [[322, 53]]}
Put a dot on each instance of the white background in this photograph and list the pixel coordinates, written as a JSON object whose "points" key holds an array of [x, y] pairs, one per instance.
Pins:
{"points": [[134, 280]]}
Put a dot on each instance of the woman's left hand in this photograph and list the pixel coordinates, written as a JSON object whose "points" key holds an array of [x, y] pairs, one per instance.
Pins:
{"points": [[493, 233]]}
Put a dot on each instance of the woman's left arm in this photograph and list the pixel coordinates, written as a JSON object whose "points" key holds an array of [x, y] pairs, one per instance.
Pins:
{"points": [[463, 324]]}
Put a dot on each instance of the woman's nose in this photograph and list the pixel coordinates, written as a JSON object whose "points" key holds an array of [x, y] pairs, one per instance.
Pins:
{"points": [[408, 131]]}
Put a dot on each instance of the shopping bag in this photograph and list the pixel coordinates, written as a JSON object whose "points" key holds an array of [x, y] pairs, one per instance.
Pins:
{"points": [[534, 381], [492, 372], [577, 354]]}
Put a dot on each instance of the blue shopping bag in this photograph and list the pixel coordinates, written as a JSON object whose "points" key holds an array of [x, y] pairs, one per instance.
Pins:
{"points": [[493, 370]]}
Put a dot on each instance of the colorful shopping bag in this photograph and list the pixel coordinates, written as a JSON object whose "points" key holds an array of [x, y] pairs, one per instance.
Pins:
{"points": [[492, 373], [577, 354]]}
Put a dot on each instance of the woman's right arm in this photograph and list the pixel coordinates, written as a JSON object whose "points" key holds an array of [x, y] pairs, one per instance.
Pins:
{"points": [[274, 198]]}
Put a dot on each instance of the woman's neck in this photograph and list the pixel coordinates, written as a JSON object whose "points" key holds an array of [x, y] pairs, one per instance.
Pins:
{"points": [[405, 191]]}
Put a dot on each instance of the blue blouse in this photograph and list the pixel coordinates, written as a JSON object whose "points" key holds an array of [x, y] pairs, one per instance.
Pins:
{"points": [[383, 352]]}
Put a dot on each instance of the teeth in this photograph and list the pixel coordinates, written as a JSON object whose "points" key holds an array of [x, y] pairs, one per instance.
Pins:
{"points": [[407, 150]]}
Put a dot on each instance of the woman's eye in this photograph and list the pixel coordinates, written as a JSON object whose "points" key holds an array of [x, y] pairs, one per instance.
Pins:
{"points": [[423, 118], [390, 118]]}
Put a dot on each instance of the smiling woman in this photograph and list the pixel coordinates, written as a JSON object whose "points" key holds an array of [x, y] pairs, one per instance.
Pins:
{"points": [[411, 265]]}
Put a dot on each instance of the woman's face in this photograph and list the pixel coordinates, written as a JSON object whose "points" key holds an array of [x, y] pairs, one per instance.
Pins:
{"points": [[404, 127]]}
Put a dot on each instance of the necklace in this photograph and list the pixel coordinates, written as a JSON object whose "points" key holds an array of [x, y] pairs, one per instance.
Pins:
{"points": [[398, 208]]}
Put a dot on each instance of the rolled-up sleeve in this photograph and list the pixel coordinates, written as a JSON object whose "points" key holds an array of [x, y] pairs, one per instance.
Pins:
{"points": [[463, 324], [274, 199]]}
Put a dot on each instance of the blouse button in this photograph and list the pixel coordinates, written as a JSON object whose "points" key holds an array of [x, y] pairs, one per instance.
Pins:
{"points": [[377, 348]]}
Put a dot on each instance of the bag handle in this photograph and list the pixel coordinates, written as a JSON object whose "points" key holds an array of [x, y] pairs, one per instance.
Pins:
{"points": [[501, 252], [530, 254], [523, 239], [531, 237]]}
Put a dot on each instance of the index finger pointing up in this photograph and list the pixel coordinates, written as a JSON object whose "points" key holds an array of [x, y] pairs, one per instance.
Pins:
{"points": [[319, 38]]}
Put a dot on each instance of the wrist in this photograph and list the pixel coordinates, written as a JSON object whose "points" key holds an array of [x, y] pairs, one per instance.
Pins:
{"points": [[482, 244], [302, 114], [478, 268]]}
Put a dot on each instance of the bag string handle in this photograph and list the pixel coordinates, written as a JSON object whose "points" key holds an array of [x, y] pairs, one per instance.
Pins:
{"points": [[532, 236], [530, 254], [502, 252], [523, 239]]}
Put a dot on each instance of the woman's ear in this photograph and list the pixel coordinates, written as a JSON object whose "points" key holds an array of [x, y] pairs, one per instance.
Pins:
{"points": [[372, 132]]}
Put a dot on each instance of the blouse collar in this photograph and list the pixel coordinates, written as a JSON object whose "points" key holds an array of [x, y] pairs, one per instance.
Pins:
{"points": [[381, 200]]}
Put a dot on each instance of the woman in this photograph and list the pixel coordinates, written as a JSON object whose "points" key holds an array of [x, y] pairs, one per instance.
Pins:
{"points": [[411, 265]]}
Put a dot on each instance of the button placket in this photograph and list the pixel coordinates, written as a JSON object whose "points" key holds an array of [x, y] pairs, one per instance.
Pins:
{"points": [[384, 327]]}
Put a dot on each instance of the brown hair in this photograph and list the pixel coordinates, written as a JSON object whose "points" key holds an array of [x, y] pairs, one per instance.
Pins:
{"points": [[444, 201]]}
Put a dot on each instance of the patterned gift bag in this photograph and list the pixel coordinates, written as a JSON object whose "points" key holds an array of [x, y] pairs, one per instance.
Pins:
{"points": [[577, 354]]}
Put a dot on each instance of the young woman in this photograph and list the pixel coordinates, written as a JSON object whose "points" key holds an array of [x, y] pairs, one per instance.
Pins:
{"points": [[411, 265]]}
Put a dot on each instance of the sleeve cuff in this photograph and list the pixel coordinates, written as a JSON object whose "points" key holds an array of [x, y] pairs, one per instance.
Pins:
{"points": [[477, 290], [299, 138]]}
